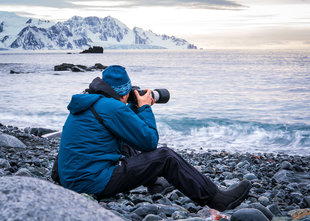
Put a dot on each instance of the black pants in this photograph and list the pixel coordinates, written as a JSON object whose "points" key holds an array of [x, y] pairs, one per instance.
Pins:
{"points": [[144, 168]]}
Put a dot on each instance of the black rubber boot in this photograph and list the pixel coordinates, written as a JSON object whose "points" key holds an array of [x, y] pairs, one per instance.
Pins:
{"points": [[229, 199]]}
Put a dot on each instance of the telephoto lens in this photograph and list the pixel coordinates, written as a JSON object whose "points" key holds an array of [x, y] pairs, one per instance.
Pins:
{"points": [[161, 96]]}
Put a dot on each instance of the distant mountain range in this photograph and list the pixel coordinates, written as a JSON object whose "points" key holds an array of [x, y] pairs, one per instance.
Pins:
{"points": [[18, 32]]}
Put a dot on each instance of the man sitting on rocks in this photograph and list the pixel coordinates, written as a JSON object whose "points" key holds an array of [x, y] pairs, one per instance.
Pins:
{"points": [[98, 127]]}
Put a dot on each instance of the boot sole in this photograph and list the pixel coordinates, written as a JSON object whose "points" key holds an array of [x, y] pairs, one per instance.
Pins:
{"points": [[238, 201]]}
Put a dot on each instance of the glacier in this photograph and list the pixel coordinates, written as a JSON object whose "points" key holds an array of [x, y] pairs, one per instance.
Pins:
{"points": [[23, 33]]}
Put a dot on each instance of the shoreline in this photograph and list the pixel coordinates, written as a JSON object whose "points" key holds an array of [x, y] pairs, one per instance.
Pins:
{"points": [[281, 182]]}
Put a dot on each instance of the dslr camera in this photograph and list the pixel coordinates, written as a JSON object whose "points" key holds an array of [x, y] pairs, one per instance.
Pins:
{"points": [[161, 96]]}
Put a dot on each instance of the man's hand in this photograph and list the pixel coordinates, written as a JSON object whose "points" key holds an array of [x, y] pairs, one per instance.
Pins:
{"points": [[145, 99]]}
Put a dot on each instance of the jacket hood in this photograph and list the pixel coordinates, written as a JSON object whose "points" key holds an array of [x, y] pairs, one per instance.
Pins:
{"points": [[81, 102], [99, 86]]}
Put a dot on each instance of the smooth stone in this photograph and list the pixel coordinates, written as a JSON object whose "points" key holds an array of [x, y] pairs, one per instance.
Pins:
{"points": [[274, 209], [250, 176], [152, 217], [306, 202], [264, 200], [10, 141], [261, 208], [23, 172], [231, 182], [248, 214], [307, 218], [243, 164], [179, 215], [26, 198], [194, 219], [299, 213], [286, 165], [168, 210], [164, 201], [146, 209], [287, 176], [296, 197], [191, 207], [4, 164]]}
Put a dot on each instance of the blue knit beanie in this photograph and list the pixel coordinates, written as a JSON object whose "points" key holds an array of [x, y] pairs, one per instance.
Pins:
{"points": [[117, 77]]}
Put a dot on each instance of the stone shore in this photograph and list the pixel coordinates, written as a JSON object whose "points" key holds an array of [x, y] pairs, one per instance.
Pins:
{"points": [[280, 183]]}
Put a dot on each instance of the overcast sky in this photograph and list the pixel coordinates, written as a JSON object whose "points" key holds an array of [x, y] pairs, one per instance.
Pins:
{"points": [[208, 24]]}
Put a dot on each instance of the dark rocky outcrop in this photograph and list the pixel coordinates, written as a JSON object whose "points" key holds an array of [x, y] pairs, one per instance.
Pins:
{"points": [[95, 49], [78, 68]]}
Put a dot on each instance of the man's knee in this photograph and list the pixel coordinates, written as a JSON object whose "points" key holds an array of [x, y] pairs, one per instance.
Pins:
{"points": [[166, 153]]}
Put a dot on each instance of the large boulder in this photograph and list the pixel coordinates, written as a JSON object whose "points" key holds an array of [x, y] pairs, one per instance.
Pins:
{"points": [[26, 198], [288, 176], [10, 141]]}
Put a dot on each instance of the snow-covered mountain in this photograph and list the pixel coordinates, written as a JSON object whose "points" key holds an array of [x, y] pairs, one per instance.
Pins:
{"points": [[18, 32]]}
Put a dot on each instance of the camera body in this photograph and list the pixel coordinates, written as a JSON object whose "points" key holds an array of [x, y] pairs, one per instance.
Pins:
{"points": [[161, 96]]}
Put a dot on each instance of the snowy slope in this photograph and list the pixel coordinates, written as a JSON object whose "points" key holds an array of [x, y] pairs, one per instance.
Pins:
{"points": [[11, 25], [79, 33]]}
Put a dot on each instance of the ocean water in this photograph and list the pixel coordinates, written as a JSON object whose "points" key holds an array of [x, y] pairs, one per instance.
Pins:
{"points": [[233, 100]]}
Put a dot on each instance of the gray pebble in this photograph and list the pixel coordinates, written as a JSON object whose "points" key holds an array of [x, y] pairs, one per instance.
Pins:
{"points": [[248, 214]]}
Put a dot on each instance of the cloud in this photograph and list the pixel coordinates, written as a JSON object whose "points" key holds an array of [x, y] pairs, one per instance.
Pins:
{"points": [[195, 4], [54, 3]]}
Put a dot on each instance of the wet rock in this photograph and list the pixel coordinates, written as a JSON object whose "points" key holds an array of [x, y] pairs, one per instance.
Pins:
{"points": [[152, 217], [299, 213], [250, 176], [99, 66], [274, 209], [25, 198], [191, 207], [306, 202], [15, 72], [264, 200], [4, 164], [23, 172], [179, 215], [10, 141], [286, 176], [194, 219], [248, 214], [145, 209], [263, 209], [78, 68], [169, 210], [286, 165]]}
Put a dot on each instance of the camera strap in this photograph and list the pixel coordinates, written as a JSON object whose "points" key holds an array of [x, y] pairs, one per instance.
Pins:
{"points": [[98, 118]]}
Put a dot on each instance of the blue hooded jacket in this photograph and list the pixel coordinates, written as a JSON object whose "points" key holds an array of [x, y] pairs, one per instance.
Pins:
{"points": [[89, 151]]}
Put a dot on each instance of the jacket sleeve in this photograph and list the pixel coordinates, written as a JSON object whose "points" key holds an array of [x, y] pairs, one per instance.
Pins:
{"points": [[138, 128]]}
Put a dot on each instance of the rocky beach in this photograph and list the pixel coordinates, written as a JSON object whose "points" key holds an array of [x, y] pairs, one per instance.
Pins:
{"points": [[280, 184]]}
